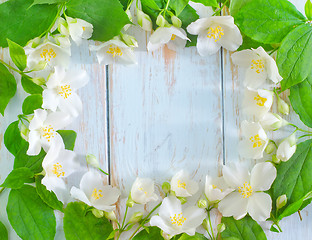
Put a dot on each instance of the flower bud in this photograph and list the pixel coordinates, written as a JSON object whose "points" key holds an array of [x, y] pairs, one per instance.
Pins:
{"points": [[111, 216], [39, 80], [40, 66], [282, 106], [130, 202], [34, 42], [270, 148], [287, 148], [136, 217], [275, 159], [205, 224], [176, 21], [62, 26], [24, 131], [144, 21], [97, 213], [220, 227], [128, 12], [182, 200], [92, 160], [272, 122], [202, 203], [166, 187], [281, 201], [165, 235], [161, 21], [129, 40]]}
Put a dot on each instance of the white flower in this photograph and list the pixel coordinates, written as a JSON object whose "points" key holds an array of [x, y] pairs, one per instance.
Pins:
{"points": [[257, 102], [272, 122], [79, 29], [202, 10], [215, 32], [61, 91], [254, 142], [53, 51], [216, 189], [58, 164], [260, 66], [114, 51], [182, 185], [142, 191], [43, 129], [175, 38], [249, 196], [287, 148], [144, 21], [173, 220], [94, 193]]}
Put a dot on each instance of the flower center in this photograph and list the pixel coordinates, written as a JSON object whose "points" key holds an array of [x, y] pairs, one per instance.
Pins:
{"points": [[115, 51], [96, 194], [65, 91], [181, 184], [256, 141], [245, 190], [215, 33], [141, 189], [58, 170], [260, 100], [257, 65], [48, 132], [177, 219], [173, 37], [47, 54]]}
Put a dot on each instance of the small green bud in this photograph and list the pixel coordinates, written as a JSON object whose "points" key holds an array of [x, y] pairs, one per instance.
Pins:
{"points": [[176, 21], [92, 160], [281, 201], [130, 202], [202, 203], [39, 80], [205, 224], [220, 227], [275, 159], [40, 66], [270, 148], [111, 216], [166, 187], [161, 21], [129, 40], [136, 217], [34, 42], [24, 131], [282, 106], [144, 21], [97, 213], [182, 200], [165, 235], [62, 26]]}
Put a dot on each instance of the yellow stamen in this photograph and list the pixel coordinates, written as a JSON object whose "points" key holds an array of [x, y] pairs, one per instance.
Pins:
{"points": [[215, 33], [47, 54], [257, 65], [173, 37], [48, 132], [245, 190], [260, 100], [115, 51], [65, 91], [177, 219], [58, 170], [141, 189], [96, 194], [181, 184], [83, 28], [256, 141]]}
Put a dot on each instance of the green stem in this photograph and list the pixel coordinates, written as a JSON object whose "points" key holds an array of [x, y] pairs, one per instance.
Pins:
{"points": [[12, 68], [209, 219], [129, 4], [217, 12], [299, 129], [278, 226], [144, 220], [2, 189], [165, 10]]}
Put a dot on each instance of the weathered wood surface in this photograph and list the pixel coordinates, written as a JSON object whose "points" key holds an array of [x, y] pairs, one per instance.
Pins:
{"points": [[172, 111]]}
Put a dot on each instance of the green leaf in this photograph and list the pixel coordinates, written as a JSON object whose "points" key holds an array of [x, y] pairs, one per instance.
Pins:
{"points": [[106, 16], [187, 16], [244, 229], [7, 84], [48, 1], [274, 229], [268, 21], [294, 179], [20, 24], [88, 227], [47, 196], [236, 5], [69, 138], [32, 103], [31, 87], [178, 5], [3, 232], [308, 9], [197, 236], [151, 4], [248, 43], [294, 56], [17, 178], [34, 163], [17, 54], [29, 216], [212, 3], [152, 233], [13, 139], [301, 100]]}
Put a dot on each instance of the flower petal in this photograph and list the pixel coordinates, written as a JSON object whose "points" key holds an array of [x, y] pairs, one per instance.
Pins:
{"points": [[235, 175], [169, 207], [34, 143], [50, 99], [80, 195], [202, 10], [206, 46], [233, 205], [194, 217], [262, 176], [259, 206], [71, 105], [160, 223]]}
